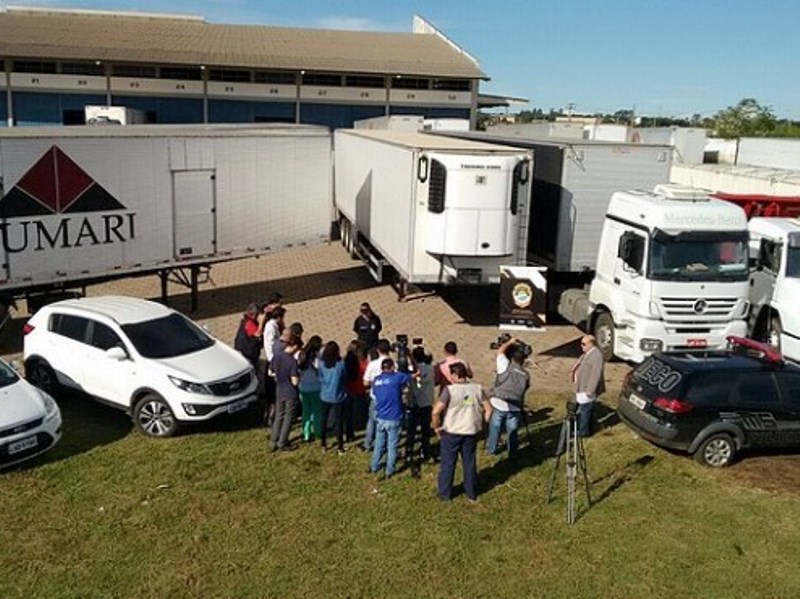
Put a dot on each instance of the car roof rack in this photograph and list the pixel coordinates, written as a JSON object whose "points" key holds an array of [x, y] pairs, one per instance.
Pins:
{"points": [[768, 352]]}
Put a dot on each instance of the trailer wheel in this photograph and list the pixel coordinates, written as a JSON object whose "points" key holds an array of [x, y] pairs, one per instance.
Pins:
{"points": [[774, 331], [604, 333]]}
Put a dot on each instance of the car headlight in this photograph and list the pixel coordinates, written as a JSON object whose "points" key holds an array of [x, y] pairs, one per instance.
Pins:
{"points": [[189, 386], [50, 405]]}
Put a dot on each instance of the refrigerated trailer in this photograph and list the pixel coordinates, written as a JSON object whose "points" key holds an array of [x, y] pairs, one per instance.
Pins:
{"points": [[436, 210], [79, 205]]}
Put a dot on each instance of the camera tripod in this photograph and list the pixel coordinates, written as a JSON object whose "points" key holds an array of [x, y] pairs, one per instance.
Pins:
{"points": [[571, 445]]}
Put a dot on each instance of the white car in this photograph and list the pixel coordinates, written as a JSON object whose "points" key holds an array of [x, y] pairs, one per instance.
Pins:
{"points": [[139, 356], [30, 421]]}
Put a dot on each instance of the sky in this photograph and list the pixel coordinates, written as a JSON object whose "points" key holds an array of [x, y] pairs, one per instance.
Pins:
{"points": [[657, 57]]}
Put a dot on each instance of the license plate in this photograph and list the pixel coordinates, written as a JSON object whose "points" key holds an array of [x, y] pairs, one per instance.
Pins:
{"points": [[637, 401], [696, 343], [22, 445], [238, 406]]}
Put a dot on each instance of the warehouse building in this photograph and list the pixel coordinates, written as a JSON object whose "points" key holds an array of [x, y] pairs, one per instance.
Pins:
{"points": [[181, 69]]}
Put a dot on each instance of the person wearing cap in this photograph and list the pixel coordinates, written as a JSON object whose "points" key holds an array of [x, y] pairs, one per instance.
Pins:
{"points": [[367, 326]]}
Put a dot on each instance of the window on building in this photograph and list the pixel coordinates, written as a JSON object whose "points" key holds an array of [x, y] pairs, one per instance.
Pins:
{"points": [[133, 71], [82, 68], [452, 85], [183, 73], [323, 79], [34, 66], [364, 81], [277, 77], [410, 83], [232, 75]]}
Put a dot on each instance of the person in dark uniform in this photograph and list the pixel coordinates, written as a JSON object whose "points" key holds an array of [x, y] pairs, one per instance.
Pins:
{"points": [[367, 326]]}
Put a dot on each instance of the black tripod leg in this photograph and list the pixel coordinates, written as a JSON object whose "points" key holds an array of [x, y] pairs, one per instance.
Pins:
{"points": [[560, 449], [582, 457]]}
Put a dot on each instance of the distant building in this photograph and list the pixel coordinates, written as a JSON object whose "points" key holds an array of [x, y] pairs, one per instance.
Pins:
{"points": [[181, 69]]}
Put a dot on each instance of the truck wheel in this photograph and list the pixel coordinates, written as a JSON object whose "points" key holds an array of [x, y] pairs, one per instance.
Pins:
{"points": [[604, 333], [41, 375], [774, 330], [717, 451], [153, 416]]}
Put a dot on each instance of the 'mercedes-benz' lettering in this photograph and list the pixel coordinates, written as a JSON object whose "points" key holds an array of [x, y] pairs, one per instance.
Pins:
{"points": [[67, 232]]}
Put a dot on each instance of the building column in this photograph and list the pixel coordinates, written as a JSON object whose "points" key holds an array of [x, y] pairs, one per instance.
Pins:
{"points": [[107, 71], [204, 74], [299, 80], [473, 107], [7, 65]]}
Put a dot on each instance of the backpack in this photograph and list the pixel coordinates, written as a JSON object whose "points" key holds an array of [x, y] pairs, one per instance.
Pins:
{"points": [[511, 385]]}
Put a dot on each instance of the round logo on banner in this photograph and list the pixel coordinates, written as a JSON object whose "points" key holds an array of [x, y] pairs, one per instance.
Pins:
{"points": [[522, 294]]}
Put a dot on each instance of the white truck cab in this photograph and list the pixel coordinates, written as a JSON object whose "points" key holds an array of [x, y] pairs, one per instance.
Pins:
{"points": [[775, 283], [672, 273]]}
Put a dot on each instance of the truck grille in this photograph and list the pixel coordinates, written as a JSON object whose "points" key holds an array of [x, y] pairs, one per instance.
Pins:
{"points": [[683, 308], [231, 386]]}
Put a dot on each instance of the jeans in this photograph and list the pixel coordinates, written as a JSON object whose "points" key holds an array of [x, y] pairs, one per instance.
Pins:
{"points": [[327, 409], [387, 434], [508, 420], [451, 447], [585, 411], [282, 424], [369, 435], [418, 416]]}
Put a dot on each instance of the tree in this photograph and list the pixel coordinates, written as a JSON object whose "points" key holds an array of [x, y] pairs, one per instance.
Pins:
{"points": [[747, 119]]}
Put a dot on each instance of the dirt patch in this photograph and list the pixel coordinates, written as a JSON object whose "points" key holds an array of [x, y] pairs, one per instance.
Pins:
{"points": [[770, 472]]}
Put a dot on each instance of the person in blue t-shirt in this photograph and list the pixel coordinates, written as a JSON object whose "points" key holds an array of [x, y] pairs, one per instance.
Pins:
{"points": [[387, 388], [332, 378]]}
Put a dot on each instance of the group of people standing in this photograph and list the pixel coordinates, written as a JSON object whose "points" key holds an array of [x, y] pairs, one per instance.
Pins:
{"points": [[364, 388]]}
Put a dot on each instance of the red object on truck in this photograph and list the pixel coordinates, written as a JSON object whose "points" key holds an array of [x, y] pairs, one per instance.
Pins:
{"points": [[763, 205]]}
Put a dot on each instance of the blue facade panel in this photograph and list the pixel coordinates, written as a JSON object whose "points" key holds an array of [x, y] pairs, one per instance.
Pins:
{"points": [[239, 111], [35, 108], [337, 116], [431, 113], [164, 110]]}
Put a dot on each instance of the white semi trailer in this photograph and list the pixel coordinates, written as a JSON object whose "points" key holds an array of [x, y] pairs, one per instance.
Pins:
{"points": [[642, 271], [85, 204], [436, 210]]}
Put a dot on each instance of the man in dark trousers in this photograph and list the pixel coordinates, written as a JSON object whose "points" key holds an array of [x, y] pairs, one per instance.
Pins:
{"points": [[367, 326]]}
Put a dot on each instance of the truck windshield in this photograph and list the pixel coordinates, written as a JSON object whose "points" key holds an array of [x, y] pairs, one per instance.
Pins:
{"points": [[793, 263], [698, 256], [167, 337]]}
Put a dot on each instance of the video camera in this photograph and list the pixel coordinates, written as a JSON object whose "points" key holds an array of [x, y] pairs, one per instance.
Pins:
{"points": [[526, 349], [400, 346]]}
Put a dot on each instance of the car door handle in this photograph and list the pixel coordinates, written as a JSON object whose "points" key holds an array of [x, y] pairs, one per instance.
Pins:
{"points": [[616, 280]]}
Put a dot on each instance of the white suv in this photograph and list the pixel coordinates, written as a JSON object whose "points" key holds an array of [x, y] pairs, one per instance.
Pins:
{"points": [[139, 356]]}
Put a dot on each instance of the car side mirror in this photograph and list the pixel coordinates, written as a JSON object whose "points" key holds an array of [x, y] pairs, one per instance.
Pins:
{"points": [[116, 353]]}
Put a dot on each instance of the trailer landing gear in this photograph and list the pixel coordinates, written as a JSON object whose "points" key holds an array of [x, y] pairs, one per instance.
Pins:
{"points": [[197, 273]]}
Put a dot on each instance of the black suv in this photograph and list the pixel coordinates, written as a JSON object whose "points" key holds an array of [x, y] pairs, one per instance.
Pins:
{"points": [[712, 404]]}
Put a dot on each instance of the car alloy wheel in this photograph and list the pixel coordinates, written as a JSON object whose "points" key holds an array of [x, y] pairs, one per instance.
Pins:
{"points": [[154, 417], [42, 376], [717, 451]]}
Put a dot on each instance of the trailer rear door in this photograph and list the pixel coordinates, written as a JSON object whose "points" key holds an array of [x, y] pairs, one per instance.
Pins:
{"points": [[194, 210]]}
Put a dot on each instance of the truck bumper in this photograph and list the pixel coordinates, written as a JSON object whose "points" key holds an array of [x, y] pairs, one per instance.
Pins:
{"points": [[637, 342]]}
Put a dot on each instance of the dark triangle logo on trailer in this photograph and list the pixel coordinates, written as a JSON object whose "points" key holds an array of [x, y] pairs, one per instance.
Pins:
{"points": [[55, 186]]}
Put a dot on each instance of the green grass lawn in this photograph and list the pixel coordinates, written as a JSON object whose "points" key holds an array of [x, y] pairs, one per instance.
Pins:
{"points": [[110, 513]]}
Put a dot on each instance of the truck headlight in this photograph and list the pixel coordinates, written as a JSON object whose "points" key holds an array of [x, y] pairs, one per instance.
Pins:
{"points": [[189, 386], [651, 345]]}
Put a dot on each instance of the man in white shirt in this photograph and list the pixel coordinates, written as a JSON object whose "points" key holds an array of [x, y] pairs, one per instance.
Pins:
{"points": [[272, 332]]}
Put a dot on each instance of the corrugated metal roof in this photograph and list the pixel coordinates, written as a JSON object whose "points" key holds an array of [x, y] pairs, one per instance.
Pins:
{"points": [[131, 37], [269, 130]]}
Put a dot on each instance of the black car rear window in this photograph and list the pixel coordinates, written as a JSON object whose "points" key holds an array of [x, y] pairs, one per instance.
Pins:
{"points": [[709, 388]]}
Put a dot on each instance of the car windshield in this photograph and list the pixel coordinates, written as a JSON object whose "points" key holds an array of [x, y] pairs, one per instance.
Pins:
{"points": [[167, 337], [698, 256], [7, 375], [793, 263]]}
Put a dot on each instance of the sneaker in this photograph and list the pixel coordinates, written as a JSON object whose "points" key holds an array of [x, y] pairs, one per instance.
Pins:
{"points": [[290, 447], [324, 449], [341, 451]]}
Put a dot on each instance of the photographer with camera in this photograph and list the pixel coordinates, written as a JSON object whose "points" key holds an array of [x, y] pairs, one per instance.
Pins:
{"points": [[420, 405], [507, 396]]}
